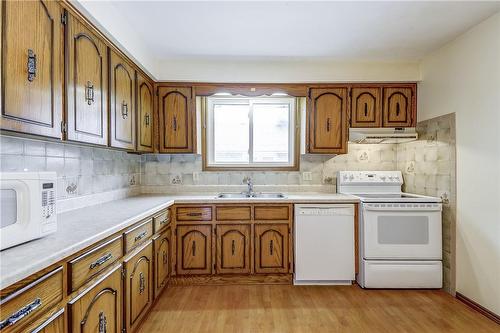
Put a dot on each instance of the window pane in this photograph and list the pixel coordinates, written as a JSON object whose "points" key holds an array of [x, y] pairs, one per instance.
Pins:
{"points": [[270, 132], [231, 132]]}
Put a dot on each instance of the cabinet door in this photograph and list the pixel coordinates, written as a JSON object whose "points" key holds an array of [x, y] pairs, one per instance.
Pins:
{"points": [[194, 249], [145, 114], [32, 67], [87, 85], [398, 107], [366, 107], [176, 111], [99, 309], [233, 248], [138, 285], [122, 103], [162, 245], [328, 121], [271, 248]]}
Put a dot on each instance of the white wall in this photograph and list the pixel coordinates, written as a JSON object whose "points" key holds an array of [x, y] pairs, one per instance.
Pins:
{"points": [[284, 70], [464, 77], [103, 14]]}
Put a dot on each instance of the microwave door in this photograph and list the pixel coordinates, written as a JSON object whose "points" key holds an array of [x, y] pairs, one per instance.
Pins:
{"points": [[15, 213], [8, 207], [402, 234]]}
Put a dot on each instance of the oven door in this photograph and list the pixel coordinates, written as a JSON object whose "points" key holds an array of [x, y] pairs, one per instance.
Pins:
{"points": [[402, 231]]}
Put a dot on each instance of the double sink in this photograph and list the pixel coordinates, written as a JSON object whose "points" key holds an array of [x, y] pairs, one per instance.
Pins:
{"points": [[243, 195]]}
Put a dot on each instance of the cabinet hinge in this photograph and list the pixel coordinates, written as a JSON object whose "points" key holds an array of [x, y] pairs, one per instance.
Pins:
{"points": [[64, 127], [124, 330], [64, 18]]}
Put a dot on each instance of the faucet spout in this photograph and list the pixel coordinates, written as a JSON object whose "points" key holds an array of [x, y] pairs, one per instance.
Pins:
{"points": [[249, 182]]}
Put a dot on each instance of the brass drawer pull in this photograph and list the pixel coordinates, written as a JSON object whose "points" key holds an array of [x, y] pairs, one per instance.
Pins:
{"points": [[89, 93], [142, 283], [101, 260], [174, 124], [146, 119], [20, 314], [271, 247], [164, 221], [31, 65], [140, 236], [328, 125], [103, 323], [165, 258], [124, 110], [194, 214]]}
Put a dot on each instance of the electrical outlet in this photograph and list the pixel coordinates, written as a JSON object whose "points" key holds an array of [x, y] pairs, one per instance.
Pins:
{"points": [[307, 176], [196, 177]]}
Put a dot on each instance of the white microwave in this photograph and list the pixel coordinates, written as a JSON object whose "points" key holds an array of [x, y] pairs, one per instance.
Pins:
{"points": [[27, 206]]}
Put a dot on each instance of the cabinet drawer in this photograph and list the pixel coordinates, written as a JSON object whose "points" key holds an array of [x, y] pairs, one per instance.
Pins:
{"points": [[161, 220], [268, 213], [233, 213], [138, 234], [86, 266], [194, 214], [28, 303]]}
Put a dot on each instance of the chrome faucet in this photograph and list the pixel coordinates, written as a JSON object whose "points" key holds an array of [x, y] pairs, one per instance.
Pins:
{"points": [[249, 182]]}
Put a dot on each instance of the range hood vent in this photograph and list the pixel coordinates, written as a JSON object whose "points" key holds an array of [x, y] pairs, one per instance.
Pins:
{"points": [[382, 135]]}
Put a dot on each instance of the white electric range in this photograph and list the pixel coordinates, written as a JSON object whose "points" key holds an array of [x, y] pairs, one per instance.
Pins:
{"points": [[399, 233]]}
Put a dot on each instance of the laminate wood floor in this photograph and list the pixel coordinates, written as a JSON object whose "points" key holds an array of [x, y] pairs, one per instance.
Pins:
{"points": [[285, 308]]}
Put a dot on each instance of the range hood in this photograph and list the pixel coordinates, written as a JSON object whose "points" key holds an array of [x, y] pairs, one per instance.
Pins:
{"points": [[382, 135]]}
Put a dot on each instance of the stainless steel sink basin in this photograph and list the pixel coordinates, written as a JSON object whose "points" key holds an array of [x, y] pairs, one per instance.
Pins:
{"points": [[232, 195], [254, 195], [269, 195]]}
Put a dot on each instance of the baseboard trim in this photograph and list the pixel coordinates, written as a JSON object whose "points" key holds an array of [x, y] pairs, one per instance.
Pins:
{"points": [[479, 308], [230, 279]]}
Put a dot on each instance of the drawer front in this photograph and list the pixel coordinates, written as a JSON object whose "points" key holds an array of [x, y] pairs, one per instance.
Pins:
{"points": [[161, 220], [138, 234], [28, 303], [233, 213], [270, 213], [194, 213], [83, 268]]}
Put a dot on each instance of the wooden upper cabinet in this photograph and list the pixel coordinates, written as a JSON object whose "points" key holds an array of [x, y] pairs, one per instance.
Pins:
{"points": [[366, 107], [327, 118], [138, 286], [32, 67], [271, 248], [399, 107], [177, 120], [98, 309], [122, 94], [87, 85], [194, 249], [233, 248], [145, 118]]}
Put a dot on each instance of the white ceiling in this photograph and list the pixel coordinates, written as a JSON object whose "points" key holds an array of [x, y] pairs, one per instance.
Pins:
{"points": [[371, 31]]}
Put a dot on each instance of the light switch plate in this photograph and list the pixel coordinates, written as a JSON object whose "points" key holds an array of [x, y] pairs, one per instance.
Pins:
{"points": [[307, 176]]}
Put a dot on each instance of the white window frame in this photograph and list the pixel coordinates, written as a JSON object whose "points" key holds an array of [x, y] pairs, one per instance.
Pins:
{"points": [[291, 164]]}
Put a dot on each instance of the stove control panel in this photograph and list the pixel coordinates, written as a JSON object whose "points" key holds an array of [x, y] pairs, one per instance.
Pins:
{"points": [[370, 177]]}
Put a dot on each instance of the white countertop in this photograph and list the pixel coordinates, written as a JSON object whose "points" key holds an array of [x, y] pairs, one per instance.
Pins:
{"points": [[80, 228]]}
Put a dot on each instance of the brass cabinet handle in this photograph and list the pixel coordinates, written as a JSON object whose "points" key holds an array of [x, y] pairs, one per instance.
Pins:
{"points": [[103, 323], [193, 248], [194, 214], [232, 247], [124, 110], [31, 65], [142, 283], [164, 221], [146, 119], [328, 124], [89, 93], [21, 313], [140, 236], [101, 260], [174, 123], [398, 111], [366, 110], [165, 258], [271, 247]]}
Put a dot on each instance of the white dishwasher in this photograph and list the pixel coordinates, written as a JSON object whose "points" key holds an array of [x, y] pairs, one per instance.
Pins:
{"points": [[324, 244]]}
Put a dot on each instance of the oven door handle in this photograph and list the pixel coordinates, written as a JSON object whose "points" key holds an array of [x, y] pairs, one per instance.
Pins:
{"points": [[408, 209]]}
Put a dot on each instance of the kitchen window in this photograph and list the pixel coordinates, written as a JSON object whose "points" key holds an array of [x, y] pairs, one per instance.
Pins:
{"points": [[244, 133]]}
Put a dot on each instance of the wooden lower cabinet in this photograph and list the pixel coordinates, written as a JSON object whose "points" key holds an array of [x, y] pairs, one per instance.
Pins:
{"points": [[138, 285], [233, 248], [271, 248], [99, 309], [162, 249], [194, 249]]}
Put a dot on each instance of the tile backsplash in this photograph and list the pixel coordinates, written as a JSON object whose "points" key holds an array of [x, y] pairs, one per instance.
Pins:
{"points": [[80, 170]]}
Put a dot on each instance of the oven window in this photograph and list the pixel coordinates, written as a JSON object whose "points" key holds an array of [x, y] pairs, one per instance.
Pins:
{"points": [[403, 230], [8, 207]]}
